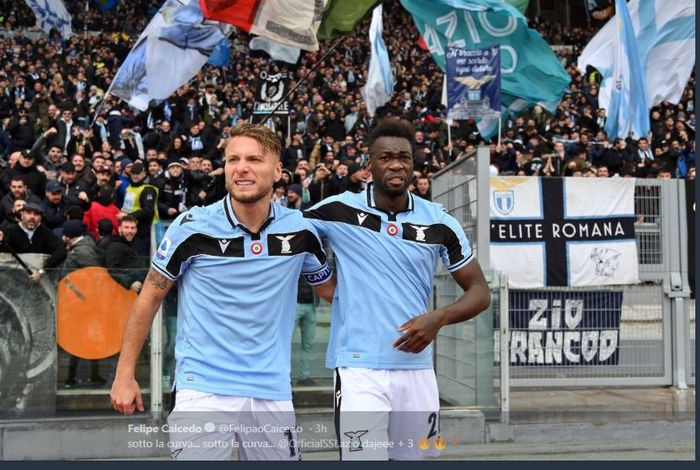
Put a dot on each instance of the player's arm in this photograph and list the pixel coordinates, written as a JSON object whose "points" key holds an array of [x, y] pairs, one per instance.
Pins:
{"points": [[419, 331], [327, 289], [125, 394]]}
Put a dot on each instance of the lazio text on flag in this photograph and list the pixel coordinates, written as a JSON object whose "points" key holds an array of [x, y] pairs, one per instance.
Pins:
{"points": [[563, 231], [665, 37], [530, 70], [51, 14], [169, 52], [473, 83]]}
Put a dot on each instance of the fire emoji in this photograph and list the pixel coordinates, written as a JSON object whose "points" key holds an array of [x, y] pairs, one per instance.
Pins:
{"points": [[423, 443]]}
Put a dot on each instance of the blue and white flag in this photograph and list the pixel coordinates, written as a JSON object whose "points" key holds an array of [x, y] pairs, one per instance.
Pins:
{"points": [[664, 33], [380, 79], [221, 56], [473, 83], [628, 114], [170, 51], [563, 231], [51, 14], [531, 72]]}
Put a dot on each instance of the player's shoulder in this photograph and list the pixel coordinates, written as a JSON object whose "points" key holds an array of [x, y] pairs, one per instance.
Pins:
{"points": [[332, 204], [292, 219], [197, 218], [434, 211]]}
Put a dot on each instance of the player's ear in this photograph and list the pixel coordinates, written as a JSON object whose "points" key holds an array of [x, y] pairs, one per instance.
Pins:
{"points": [[278, 171]]}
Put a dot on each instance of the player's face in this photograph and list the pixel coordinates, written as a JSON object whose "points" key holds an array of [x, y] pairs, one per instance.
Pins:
{"points": [[250, 173], [391, 164]]}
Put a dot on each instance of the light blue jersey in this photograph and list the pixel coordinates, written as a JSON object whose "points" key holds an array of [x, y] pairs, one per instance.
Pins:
{"points": [[385, 266], [237, 297]]}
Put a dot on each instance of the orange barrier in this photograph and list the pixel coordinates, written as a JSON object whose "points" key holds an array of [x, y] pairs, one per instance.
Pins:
{"points": [[91, 313]]}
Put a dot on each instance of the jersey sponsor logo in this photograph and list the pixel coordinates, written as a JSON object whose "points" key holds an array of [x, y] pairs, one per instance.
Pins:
{"points": [[361, 217], [164, 248], [223, 244], [286, 247], [355, 441], [256, 248], [392, 229], [420, 232], [187, 218]]}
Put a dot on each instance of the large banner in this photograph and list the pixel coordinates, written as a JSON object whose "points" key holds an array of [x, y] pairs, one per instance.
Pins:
{"points": [[473, 83], [564, 328], [563, 231], [271, 90]]}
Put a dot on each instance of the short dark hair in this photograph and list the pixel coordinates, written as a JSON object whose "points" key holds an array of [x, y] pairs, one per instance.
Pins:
{"points": [[129, 218], [392, 128], [75, 213], [104, 227]]}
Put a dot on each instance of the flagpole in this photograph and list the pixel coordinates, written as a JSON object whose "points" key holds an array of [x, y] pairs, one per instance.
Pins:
{"points": [[316, 65], [499, 128]]}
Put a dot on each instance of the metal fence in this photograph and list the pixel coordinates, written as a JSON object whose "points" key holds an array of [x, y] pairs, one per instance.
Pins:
{"points": [[650, 334]]}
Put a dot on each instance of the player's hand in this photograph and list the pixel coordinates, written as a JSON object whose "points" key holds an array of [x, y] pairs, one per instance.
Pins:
{"points": [[126, 396], [136, 286], [418, 332]]}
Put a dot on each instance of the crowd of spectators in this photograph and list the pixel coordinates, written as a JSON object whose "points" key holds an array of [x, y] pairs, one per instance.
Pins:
{"points": [[66, 147]]}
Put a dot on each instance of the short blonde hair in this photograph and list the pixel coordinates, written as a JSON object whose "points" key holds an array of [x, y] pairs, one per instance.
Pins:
{"points": [[264, 136]]}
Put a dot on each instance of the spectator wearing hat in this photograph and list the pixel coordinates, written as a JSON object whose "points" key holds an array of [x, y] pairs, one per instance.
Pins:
{"points": [[141, 202], [103, 176], [31, 236], [171, 202], [102, 208], [81, 249], [353, 181], [26, 169], [75, 192], [82, 253], [298, 197], [54, 205]]}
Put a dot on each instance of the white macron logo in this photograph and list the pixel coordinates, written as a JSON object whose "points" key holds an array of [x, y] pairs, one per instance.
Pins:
{"points": [[286, 247], [361, 217], [223, 244], [420, 232]]}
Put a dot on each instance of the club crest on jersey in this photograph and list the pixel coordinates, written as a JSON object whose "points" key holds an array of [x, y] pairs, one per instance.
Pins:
{"points": [[164, 248], [286, 247], [420, 232], [355, 441], [392, 230], [256, 248]]}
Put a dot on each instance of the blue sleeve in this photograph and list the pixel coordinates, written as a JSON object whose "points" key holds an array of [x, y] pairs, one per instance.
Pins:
{"points": [[174, 252]]}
